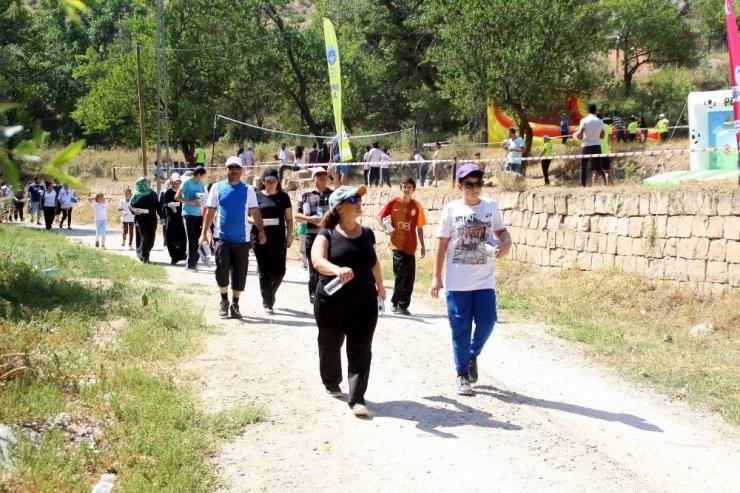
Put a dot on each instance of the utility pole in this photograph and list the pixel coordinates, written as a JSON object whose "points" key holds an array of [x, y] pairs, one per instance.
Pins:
{"points": [[162, 110], [141, 107]]}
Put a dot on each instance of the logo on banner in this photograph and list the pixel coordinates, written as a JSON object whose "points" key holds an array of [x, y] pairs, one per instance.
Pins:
{"points": [[737, 126], [737, 74], [331, 56], [736, 94]]}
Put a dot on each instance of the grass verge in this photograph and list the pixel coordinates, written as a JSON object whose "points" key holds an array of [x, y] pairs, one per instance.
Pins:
{"points": [[636, 325], [84, 381]]}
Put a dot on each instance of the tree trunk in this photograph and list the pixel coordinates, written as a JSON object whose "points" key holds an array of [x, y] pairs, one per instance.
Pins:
{"points": [[525, 130], [627, 72]]}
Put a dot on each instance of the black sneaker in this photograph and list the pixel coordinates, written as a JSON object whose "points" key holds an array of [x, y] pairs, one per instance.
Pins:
{"points": [[403, 311], [394, 308], [235, 311], [463, 385], [473, 371], [223, 309]]}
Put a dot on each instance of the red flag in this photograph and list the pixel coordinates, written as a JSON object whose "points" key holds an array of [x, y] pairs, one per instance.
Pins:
{"points": [[733, 47]]}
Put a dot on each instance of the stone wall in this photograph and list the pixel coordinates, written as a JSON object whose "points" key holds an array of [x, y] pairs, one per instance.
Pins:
{"points": [[690, 237]]}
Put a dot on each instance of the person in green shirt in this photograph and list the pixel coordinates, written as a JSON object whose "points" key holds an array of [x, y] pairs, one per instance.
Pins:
{"points": [[632, 130], [662, 127], [605, 149], [200, 155], [547, 158]]}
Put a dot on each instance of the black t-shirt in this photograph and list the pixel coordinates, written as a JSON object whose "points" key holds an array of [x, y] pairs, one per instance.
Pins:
{"points": [[356, 253], [316, 204], [272, 208]]}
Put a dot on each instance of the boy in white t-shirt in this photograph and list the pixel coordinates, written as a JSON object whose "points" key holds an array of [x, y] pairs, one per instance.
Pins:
{"points": [[470, 232]]}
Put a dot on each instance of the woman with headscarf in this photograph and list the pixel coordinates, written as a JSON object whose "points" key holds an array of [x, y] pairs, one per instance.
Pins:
{"points": [[176, 239], [277, 216], [344, 252], [145, 206]]}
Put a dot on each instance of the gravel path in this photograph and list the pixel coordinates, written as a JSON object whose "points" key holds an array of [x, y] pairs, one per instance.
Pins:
{"points": [[544, 417]]}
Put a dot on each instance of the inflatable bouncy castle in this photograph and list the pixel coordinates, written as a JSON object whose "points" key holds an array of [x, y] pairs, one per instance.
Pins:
{"points": [[499, 123]]}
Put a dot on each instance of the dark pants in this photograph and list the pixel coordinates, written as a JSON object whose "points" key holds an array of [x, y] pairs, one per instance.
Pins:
{"points": [[313, 274], [366, 177], [146, 231], [232, 260], [595, 163], [621, 135], [193, 225], [423, 169], [19, 211], [49, 213], [565, 136], [271, 266], [128, 228], [66, 215], [404, 268], [356, 319], [374, 175], [546, 170], [385, 176], [290, 167]]}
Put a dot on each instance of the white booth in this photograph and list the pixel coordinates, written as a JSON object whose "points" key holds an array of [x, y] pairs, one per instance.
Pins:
{"points": [[711, 125]]}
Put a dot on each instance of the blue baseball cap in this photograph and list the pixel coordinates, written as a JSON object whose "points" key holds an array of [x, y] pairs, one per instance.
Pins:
{"points": [[343, 193], [467, 170]]}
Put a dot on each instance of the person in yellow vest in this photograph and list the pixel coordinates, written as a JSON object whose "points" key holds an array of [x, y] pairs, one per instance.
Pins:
{"points": [[632, 129], [546, 158], [605, 149], [200, 155], [662, 127]]}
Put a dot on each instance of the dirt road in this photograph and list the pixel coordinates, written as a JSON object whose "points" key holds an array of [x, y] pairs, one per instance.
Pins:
{"points": [[544, 418]]}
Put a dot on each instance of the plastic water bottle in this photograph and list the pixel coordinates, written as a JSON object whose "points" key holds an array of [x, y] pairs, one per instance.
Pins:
{"points": [[388, 225], [48, 271], [307, 208], [333, 286], [381, 306]]}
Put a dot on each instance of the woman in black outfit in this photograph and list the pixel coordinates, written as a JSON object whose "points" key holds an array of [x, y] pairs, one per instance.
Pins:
{"points": [[145, 206], [177, 244], [346, 250], [277, 216]]}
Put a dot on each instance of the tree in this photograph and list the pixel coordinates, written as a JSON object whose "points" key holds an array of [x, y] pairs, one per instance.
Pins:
{"points": [[646, 33], [528, 55]]}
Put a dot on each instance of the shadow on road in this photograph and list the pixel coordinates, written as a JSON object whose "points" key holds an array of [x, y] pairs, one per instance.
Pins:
{"points": [[429, 418], [514, 398]]}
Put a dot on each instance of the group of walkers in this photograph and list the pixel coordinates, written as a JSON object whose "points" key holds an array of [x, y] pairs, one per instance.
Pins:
{"points": [[345, 284], [52, 199]]}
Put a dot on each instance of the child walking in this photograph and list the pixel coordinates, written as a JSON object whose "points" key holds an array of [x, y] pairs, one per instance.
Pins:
{"points": [[127, 219], [101, 219]]}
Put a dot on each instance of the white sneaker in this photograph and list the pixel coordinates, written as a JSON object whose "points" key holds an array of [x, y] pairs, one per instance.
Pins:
{"points": [[360, 410], [463, 385]]}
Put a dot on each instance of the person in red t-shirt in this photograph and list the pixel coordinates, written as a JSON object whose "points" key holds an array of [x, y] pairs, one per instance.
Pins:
{"points": [[407, 218]]}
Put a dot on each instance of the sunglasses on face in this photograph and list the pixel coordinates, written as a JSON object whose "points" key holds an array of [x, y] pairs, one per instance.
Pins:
{"points": [[232, 168], [354, 199], [270, 180], [469, 185]]}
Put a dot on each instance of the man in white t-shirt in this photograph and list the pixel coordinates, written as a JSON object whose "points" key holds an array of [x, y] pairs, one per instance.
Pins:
{"points": [[385, 168], [591, 131], [471, 233], [374, 157], [515, 146], [249, 157]]}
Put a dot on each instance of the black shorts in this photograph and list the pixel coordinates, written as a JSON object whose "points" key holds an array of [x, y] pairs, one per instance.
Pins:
{"points": [[594, 162], [232, 261], [606, 162]]}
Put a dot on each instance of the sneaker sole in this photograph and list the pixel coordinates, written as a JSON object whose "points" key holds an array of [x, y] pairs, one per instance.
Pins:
{"points": [[362, 411], [465, 392]]}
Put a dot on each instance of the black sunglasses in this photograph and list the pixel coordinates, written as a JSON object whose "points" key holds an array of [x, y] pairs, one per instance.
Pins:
{"points": [[234, 167], [469, 185]]}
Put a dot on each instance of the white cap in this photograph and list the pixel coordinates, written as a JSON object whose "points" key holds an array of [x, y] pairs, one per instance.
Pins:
{"points": [[175, 177], [316, 171], [662, 115], [234, 160]]}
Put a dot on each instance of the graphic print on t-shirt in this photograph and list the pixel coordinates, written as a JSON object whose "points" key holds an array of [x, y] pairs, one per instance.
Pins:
{"points": [[471, 232]]}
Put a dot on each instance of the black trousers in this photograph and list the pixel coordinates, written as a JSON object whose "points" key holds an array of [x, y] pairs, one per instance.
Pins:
{"points": [[66, 214], [232, 260], [354, 318], [546, 170], [146, 232], [404, 268], [290, 167], [374, 175], [271, 266], [49, 213], [313, 274], [385, 176], [128, 228], [18, 211], [595, 163], [193, 225], [366, 177]]}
